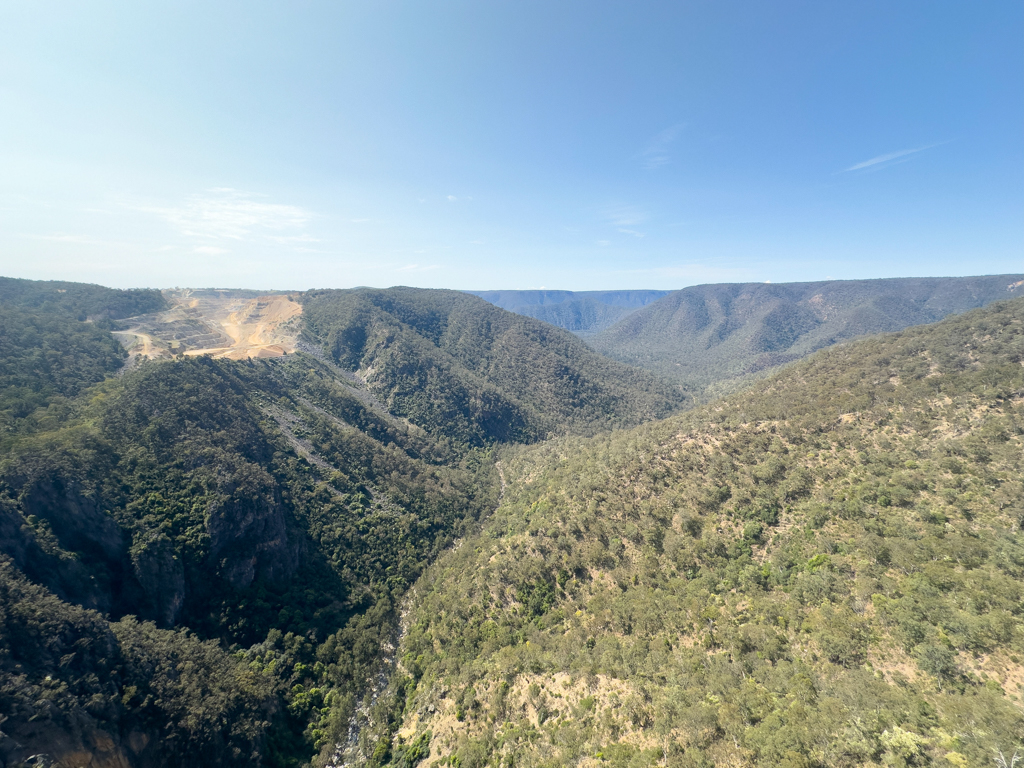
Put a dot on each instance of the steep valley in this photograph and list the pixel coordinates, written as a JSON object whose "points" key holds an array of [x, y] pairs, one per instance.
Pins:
{"points": [[582, 312], [825, 570], [218, 509], [262, 516]]}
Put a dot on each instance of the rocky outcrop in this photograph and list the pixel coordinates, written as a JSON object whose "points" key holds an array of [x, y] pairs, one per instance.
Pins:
{"points": [[160, 574], [45, 743], [56, 530], [75, 518], [248, 530], [60, 571], [57, 535]]}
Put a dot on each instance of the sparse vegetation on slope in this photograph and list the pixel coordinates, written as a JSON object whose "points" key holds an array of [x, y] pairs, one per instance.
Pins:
{"points": [[714, 338], [825, 570]]}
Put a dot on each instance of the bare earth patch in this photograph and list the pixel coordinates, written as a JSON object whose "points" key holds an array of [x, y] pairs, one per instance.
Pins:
{"points": [[215, 323]]}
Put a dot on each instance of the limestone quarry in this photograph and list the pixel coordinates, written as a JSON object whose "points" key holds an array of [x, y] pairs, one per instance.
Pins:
{"points": [[221, 323]]}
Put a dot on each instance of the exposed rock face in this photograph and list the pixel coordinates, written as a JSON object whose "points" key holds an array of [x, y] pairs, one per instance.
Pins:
{"points": [[79, 690], [161, 577], [248, 531], [80, 746], [75, 517], [59, 536], [61, 572]]}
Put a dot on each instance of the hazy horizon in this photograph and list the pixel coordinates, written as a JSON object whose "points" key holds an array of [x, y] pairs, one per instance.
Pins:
{"points": [[556, 289]]}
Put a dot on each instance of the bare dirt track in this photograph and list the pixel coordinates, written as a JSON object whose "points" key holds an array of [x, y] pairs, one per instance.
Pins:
{"points": [[232, 324]]}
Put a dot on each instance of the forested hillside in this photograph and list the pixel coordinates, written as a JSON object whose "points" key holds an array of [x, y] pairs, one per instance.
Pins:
{"points": [[459, 367], [825, 570], [204, 562], [55, 342], [203, 542], [78, 300], [582, 312], [200, 541], [77, 687], [715, 338], [47, 356]]}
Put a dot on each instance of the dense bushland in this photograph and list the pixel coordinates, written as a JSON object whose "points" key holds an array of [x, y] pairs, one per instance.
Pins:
{"points": [[169, 693], [47, 358], [80, 301], [262, 505], [826, 570], [274, 508], [201, 560], [54, 343]]}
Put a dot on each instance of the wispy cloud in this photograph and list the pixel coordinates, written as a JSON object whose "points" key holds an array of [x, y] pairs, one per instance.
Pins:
{"points": [[211, 250], [625, 218], [656, 154], [228, 214], [626, 215], [888, 158]]}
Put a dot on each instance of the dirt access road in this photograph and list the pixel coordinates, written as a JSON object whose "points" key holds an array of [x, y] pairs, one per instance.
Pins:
{"points": [[232, 324]]}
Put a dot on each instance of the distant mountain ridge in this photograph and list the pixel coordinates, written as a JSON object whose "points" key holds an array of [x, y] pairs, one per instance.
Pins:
{"points": [[582, 312], [81, 300], [718, 336]]}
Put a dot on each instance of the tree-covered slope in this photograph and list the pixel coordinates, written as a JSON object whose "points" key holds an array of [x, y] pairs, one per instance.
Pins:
{"points": [[202, 560], [277, 510], [459, 367], [714, 337], [582, 312], [77, 687], [44, 357], [78, 300], [55, 342], [824, 570], [266, 506]]}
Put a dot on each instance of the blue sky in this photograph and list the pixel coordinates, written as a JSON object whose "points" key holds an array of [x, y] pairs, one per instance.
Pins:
{"points": [[481, 145]]}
